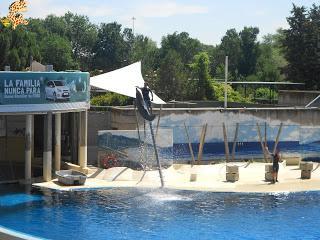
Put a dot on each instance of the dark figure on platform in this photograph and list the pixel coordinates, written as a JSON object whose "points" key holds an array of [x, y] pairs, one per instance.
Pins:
{"points": [[275, 164], [146, 97]]}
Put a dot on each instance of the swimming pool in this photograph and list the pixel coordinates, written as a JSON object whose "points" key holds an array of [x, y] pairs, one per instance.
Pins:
{"points": [[160, 214]]}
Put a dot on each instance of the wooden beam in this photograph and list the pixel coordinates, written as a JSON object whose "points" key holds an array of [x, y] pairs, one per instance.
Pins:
{"points": [[202, 140], [226, 146], [158, 123], [235, 142], [261, 142], [277, 139], [190, 146]]}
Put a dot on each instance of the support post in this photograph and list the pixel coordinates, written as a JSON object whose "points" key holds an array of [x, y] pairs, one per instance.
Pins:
{"points": [[83, 139], [47, 148], [225, 83], [261, 142], [28, 146], [74, 126], [32, 139], [234, 142], [6, 149], [265, 134], [190, 146], [137, 120], [57, 142], [202, 139], [277, 139], [158, 123], [226, 146], [156, 153]]}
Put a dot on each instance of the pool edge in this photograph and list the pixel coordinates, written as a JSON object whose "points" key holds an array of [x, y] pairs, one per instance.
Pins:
{"points": [[8, 234]]}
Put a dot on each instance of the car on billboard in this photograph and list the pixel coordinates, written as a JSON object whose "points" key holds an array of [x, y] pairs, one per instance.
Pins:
{"points": [[57, 90]]}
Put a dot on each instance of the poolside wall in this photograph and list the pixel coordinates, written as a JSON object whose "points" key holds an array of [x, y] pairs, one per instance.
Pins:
{"points": [[125, 119], [296, 97], [96, 121], [299, 124]]}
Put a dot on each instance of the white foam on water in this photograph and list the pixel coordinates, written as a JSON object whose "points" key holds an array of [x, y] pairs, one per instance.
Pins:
{"points": [[167, 197]]}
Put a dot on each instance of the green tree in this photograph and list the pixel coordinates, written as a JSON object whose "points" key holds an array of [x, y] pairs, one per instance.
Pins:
{"points": [[17, 47], [215, 57], [83, 36], [230, 46], [37, 27], [14, 60], [271, 60], [294, 43], [5, 40], [302, 46], [171, 77], [145, 50], [111, 50], [57, 51], [249, 51], [56, 25], [185, 46], [201, 72], [129, 40]]}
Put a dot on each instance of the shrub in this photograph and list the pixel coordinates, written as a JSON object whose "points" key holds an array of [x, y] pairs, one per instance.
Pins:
{"points": [[264, 93], [111, 99], [233, 96]]}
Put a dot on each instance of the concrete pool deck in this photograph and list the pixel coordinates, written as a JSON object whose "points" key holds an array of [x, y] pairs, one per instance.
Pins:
{"points": [[208, 178]]}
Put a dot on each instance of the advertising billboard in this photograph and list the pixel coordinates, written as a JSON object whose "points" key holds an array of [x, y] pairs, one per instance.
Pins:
{"points": [[43, 90]]}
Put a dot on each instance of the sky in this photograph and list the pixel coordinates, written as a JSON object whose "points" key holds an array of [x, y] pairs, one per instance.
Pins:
{"points": [[206, 20]]}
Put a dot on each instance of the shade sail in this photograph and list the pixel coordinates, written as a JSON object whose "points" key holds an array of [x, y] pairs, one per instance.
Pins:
{"points": [[123, 81]]}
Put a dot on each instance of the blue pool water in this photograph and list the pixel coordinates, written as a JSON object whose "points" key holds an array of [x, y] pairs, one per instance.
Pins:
{"points": [[160, 214]]}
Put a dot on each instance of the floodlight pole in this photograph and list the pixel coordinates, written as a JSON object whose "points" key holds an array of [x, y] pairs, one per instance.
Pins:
{"points": [[133, 19], [225, 83]]}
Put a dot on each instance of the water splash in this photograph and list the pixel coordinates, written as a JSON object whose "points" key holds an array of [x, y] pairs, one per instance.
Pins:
{"points": [[167, 197]]}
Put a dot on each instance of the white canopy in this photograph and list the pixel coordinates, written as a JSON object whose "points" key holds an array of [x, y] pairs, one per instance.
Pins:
{"points": [[123, 81]]}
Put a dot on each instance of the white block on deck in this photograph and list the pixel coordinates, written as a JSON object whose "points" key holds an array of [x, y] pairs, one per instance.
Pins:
{"points": [[308, 166], [305, 174], [232, 177], [268, 168], [193, 177], [268, 176], [232, 169], [292, 161]]}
